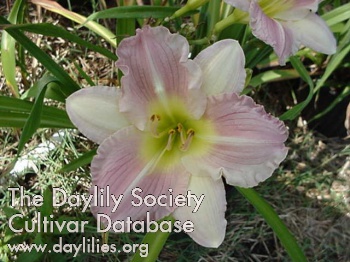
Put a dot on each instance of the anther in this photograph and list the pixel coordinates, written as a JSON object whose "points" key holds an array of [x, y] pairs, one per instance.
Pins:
{"points": [[155, 118], [182, 131], [171, 138], [154, 125], [186, 145], [190, 132]]}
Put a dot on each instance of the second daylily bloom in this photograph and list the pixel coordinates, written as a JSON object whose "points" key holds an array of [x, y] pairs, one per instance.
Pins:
{"points": [[177, 125], [287, 24]]}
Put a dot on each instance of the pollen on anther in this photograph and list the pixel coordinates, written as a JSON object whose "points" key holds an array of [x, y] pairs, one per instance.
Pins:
{"points": [[187, 142], [155, 117], [190, 132], [154, 121]]}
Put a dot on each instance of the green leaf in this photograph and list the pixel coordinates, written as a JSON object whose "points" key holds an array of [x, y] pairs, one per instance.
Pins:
{"points": [[84, 75], [56, 31], [134, 12], [125, 28], [155, 242], [68, 84], [33, 121], [337, 15], [214, 8], [16, 239], [273, 75], [10, 211], [53, 89], [46, 209], [255, 52], [8, 49], [79, 162], [344, 94], [51, 118], [33, 255], [14, 112], [201, 29], [334, 62], [93, 26], [8, 60], [271, 217], [296, 110]]}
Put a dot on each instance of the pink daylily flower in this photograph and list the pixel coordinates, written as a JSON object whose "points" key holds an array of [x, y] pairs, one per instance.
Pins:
{"points": [[287, 24], [177, 125]]}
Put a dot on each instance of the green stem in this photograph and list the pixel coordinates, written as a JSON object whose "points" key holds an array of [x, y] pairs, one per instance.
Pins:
{"points": [[237, 16], [227, 10], [190, 5], [271, 217], [155, 242], [213, 15]]}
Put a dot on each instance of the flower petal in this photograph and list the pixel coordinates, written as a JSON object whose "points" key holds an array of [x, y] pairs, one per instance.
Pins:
{"points": [[119, 167], [299, 9], [156, 66], [249, 144], [313, 32], [209, 221], [222, 65], [95, 111], [272, 33]]}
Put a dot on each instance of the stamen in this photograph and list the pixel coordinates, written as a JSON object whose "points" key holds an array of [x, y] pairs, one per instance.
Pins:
{"points": [[172, 135], [186, 145], [155, 117], [181, 130], [154, 125]]}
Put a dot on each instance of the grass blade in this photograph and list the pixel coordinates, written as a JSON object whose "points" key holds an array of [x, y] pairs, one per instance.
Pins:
{"points": [[272, 76], [333, 64], [134, 12], [337, 15], [15, 112], [287, 239], [68, 84], [8, 50], [56, 31], [155, 242], [53, 89], [79, 162], [93, 26], [296, 110], [33, 121]]}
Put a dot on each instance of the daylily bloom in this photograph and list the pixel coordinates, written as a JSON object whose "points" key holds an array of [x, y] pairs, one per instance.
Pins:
{"points": [[287, 24], [177, 125]]}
